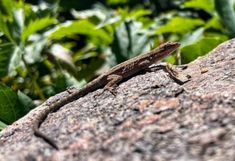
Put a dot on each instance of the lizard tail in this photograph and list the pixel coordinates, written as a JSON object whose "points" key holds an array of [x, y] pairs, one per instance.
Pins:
{"points": [[47, 139]]}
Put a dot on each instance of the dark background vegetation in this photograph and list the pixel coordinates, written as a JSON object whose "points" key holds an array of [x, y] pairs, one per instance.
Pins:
{"points": [[46, 46]]}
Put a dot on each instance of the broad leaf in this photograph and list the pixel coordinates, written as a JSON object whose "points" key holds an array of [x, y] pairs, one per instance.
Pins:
{"points": [[192, 37], [2, 125], [10, 109], [6, 7], [36, 25], [139, 12], [16, 27], [10, 59], [25, 101], [180, 25], [225, 10], [214, 23], [83, 27], [130, 40], [16, 62], [4, 28], [115, 2], [33, 52], [6, 51], [13, 28], [67, 80], [207, 5], [104, 15], [72, 81], [201, 47]]}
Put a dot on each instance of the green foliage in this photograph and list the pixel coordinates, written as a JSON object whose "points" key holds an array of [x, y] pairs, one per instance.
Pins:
{"points": [[2, 125], [227, 15], [200, 45], [6, 6], [126, 38], [116, 1], [180, 25], [207, 5], [11, 107], [83, 27], [47, 47], [36, 25], [6, 50]]}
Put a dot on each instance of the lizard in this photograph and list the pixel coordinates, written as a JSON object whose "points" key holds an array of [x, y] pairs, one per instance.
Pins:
{"points": [[108, 81]]}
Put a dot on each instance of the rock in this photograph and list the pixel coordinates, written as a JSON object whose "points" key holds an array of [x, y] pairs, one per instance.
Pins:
{"points": [[152, 117]]}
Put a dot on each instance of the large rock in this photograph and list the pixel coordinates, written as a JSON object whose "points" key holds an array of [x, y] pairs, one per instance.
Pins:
{"points": [[151, 118]]}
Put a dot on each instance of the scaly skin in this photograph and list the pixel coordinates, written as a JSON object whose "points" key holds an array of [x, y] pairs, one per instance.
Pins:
{"points": [[108, 80]]}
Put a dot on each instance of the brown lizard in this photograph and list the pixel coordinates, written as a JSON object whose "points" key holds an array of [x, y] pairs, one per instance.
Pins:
{"points": [[108, 80]]}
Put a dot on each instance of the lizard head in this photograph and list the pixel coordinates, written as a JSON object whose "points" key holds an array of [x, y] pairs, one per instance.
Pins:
{"points": [[164, 50]]}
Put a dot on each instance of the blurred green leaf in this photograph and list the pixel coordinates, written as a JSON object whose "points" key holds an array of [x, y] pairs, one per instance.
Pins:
{"points": [[5, 29], [62, 81], [72, 81], [214, 23], [6, 51], [207, 5], [9, 107], [15, 61], [225, 10], [37, 25], [2, 125], [67, 80], [139, 12], [130, 40], [104, 15], [87, 72], [13, 29], [115, 2], [25, 101], [83, 27], [201, 47], [6, 7], [17, 26], [180, 25], [34, 51], [134, 13], [192, 37]]}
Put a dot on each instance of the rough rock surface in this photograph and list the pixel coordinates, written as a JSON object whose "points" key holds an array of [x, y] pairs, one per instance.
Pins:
{"points": [[151, 118]]}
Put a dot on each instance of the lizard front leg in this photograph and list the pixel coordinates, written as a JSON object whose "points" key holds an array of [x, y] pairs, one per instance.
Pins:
{"points": [[176, 75], [173, 72], [112, 83]]}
